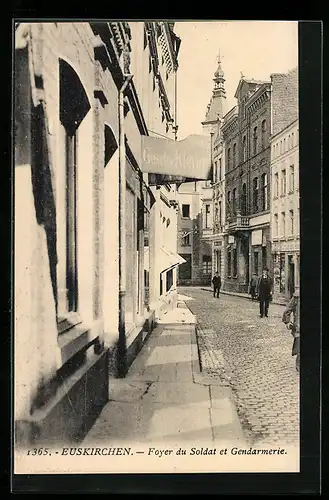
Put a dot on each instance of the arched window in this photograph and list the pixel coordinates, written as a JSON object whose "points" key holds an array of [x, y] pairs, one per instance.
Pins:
{"points": [[255, 140], [244, 199], [234, 201], [244, 148], [255, 194], [229, 158], [264, 128], [234, 154]]}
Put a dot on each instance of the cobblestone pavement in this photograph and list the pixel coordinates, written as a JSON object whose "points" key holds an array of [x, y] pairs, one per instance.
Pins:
{"points": [[253, 356]]}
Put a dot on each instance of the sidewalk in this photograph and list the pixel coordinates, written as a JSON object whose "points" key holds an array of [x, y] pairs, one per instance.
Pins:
{"points": [[165, 398], [244, 296]]}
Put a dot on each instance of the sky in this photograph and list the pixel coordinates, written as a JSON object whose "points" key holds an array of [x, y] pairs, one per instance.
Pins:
{"points": [[255, 48]]}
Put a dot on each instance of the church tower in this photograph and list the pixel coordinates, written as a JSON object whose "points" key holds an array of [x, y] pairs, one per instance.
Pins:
{"points": [[217, 107]]}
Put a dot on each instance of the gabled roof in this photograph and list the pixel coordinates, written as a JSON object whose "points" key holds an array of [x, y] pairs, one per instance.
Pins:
{"points": [[248, 82]]}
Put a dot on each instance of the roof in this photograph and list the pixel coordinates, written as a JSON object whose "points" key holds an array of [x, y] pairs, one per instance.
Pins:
{"points": [[248, 82]]}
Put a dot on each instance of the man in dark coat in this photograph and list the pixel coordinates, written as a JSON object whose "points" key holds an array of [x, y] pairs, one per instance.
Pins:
{"points": [[264, 292], [291, 318], [217, 283]]}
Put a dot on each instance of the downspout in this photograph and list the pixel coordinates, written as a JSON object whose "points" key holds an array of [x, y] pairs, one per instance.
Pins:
{"points": [[122, 346]]}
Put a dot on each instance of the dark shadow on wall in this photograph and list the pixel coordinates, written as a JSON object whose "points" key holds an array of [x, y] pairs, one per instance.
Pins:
{"points": [[43, 193]]}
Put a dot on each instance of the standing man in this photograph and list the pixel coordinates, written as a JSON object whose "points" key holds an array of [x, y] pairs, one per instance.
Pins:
{"points": [[217, 283], [264, 292]]}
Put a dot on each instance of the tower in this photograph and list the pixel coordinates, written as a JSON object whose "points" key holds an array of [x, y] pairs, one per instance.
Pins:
{"points": [[217, 107]]}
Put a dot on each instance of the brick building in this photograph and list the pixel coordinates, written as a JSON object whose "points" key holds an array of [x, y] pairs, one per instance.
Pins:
{"points": [[83, 209], [246, 133]]}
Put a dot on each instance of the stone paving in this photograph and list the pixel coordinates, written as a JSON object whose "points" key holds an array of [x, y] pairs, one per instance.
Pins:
{"points": [[253, 356]]}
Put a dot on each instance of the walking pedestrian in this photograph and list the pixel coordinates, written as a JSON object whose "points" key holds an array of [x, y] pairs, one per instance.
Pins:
{"points": [[253, 286], [217, 283], [264, 292], [293, 324]]}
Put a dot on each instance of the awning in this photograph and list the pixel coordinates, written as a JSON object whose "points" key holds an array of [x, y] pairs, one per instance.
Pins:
{"points": [[189, 158], [168, 258]]}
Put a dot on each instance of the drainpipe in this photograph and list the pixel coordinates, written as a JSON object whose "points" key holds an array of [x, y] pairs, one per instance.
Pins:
{"points": [[122, 347]]}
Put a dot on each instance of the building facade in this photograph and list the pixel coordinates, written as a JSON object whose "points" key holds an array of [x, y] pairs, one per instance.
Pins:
{"points": [[285, 221], [219, 205], [194, 230], [86, 296], [246, 133]]}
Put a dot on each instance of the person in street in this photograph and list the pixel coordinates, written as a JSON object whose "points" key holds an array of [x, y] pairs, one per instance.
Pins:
{"points": [[291, 318], [264, 292], [217, 283], [253, 286]]}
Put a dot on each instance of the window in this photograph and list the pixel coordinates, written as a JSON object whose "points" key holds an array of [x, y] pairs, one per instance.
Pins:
{"points": [[291, 216], [244, 148], [283, 182], [215, 177], [207, 217], [169, 280], [234, 201], [276, 225], [234, 154], [255, 140], [283, 224], [264, 128], [284, 145], [292, 139], [244, 199], [276, 185], [229, 202], [255, 194], [206, 264], [264, 192], [289, 141], [186, 239], [186, 211], [73, 109], [291, 179], [220, 169], [220, 212], [229, 158], [256, 262]]}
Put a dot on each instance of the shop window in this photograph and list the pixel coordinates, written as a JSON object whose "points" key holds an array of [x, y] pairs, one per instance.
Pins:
{"points": [[206, 264], [235, 263], [186, 211], [256, 262]]}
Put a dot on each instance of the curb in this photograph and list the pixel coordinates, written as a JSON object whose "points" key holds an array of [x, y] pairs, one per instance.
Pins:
{"points": [[242, 296], [235, 428]]}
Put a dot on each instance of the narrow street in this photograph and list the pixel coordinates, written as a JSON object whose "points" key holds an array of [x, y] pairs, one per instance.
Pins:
{"points": [[252, 356]]}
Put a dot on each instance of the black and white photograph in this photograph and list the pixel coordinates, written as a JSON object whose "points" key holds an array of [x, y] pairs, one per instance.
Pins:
{"points": [[156, 247]]}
